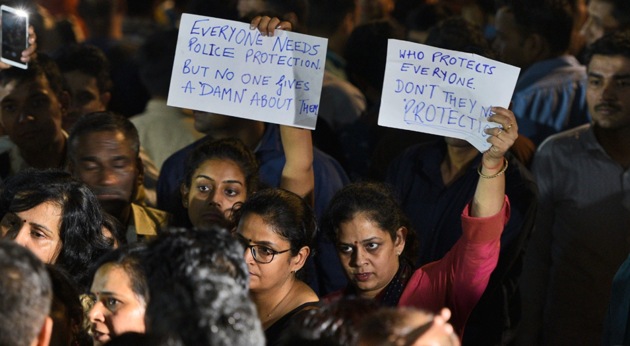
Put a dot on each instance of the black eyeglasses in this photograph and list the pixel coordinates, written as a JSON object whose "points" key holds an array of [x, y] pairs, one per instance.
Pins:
{"points": [[260, 253]]}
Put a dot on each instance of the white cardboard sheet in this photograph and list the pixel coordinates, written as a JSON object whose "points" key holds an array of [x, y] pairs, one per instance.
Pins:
{"points": [[443, 92], [225, 67]]}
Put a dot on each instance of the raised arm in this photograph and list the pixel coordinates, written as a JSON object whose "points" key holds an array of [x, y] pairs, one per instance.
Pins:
{"points": [[297, 174], [490, 194]]}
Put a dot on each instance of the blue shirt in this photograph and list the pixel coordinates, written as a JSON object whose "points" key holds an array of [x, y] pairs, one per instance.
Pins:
{"points": [[329, 177], [549, 97], [617, 324]]}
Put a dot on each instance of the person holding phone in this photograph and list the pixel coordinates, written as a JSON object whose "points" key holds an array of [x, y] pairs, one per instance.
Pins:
{"points": [[28, 53]]}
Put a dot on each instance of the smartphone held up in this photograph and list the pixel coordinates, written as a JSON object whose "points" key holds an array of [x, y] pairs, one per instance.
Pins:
{"points": [[14, 35]]}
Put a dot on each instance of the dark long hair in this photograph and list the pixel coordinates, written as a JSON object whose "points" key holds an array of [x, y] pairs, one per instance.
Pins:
{"points": [[80, 230]]}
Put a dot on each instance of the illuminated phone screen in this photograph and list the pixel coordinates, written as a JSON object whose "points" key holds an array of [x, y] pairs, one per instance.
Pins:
{"points": [[14, 36]]}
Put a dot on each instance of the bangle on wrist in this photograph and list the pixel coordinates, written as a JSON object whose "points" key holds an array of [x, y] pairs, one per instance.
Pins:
{"points": [[505, 166]]}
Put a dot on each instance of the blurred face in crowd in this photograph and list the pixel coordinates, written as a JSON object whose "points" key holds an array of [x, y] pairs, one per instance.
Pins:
{"points": [[600, 21], [273, 264], [107, 162], [368, 254], [509, 41], [117, 308], [608, 91], [31, 113], [216, 185], [86, 96], [37, 229]]}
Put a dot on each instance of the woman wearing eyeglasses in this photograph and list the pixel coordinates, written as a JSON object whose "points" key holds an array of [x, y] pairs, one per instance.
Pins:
{"points": [[277, 228]]}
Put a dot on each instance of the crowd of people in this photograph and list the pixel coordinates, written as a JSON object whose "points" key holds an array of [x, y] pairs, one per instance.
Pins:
{"points": [[125, 221]]}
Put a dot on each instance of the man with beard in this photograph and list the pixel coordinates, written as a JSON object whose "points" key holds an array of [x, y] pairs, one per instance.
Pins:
{"points": [[103, 152], [581, 236]]}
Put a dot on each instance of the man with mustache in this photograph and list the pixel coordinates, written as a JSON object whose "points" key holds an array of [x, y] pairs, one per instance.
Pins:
{"points": [[582, 232], [103, 152]]}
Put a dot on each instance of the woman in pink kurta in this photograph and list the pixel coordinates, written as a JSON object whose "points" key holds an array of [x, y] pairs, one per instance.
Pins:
{"points": [[373, 238]]}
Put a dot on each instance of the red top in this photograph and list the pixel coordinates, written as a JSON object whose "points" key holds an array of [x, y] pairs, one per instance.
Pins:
{"points": [[458, 280]]}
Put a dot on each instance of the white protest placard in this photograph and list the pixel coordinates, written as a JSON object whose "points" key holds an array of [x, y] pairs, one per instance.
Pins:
{"points": [[225, 67], [443, 92]]}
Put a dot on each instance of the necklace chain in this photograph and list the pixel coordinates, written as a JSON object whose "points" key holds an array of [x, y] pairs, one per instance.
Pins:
{"points": [[280, 302]]}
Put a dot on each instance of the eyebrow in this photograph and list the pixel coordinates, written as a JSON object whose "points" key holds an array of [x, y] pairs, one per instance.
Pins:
{"points": [[368, 240], [616, 76], [40, 226], [93, 158], [264, 242], [260, 242], [104, 293], [225, 181]]}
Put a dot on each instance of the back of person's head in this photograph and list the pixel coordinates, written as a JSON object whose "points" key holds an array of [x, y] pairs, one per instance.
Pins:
{"points": [[366, 52], [199, 284], [25, 295], [43, 65], [456, 33], [232, 149], [97, 15], [552, 20], [325, 16], [102, 122], [66, 310], [155, 57], [377, 202], [419, 20], [615, 43], [87, 59], [333, 324], [289, 216], [404, 326], [80, 230]]}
